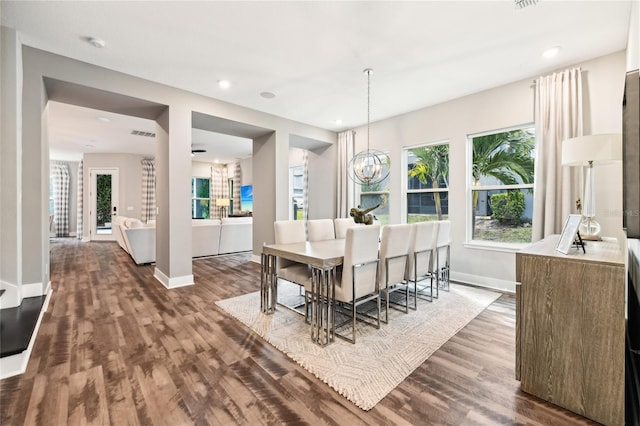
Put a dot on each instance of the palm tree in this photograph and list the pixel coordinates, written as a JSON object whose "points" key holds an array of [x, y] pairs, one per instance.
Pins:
{"points": [[504, 156], [432, 163]]}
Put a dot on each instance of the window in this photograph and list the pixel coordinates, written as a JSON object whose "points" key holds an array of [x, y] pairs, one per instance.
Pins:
{"points": [[377, 195], [502, 174], [427, 183], [296, 192], [200, 198]]}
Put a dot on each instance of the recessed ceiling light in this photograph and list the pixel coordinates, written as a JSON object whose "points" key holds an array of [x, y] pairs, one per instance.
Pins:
{"points": [[551, 52], [103, 119], [225, 84], [338, 121], [97, 42], [268, 95], [89, 146]]}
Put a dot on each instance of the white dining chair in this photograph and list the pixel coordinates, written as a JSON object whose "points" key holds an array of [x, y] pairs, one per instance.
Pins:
{"points": [[394, 251], [357, 283], [289, 232], [421, 263], [320, 230], [341, 225], [443, 251]]}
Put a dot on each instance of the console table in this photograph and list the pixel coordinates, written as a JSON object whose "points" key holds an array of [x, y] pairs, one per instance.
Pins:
{"points": [[570, 327]]}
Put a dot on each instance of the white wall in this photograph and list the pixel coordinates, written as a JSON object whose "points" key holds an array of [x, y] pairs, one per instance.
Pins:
{"points": [[633, 43], [200, 169], [494, 109], [129, 183], [246, 167], [10, 168]]}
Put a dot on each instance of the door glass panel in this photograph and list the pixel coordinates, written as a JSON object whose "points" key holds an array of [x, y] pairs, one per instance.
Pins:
{"points": [[103, 204]]}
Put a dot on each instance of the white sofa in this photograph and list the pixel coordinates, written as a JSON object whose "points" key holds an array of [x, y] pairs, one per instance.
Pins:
{"points": [[136, 238], [205, 237], [209, 237], [236, 234]]}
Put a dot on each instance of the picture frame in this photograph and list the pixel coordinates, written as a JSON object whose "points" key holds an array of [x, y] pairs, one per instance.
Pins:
{"points": [[569, 232]]}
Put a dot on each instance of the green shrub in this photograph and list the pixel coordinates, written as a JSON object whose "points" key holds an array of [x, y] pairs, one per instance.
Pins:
{"points": [[508, 207]]}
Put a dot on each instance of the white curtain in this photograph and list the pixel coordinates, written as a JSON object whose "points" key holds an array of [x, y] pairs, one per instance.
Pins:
{"points": [[148, 190], [60, 174], [79, 206], [237, 181], [558, 116], [345, 187]]}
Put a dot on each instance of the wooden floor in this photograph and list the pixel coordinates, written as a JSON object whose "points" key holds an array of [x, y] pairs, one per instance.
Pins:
{"points": [[115, 347]]}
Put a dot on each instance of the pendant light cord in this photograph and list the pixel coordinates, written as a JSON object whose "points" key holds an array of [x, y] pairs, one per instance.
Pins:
{"points": [[368, 71]]}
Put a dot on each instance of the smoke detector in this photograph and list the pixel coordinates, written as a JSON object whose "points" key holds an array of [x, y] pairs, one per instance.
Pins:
{"points": [[98, 43]]}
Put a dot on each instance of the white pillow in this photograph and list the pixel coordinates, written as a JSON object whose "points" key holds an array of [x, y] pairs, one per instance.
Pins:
{"points": [[134, 223]]}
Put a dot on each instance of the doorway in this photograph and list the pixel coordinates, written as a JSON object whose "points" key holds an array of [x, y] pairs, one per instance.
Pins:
{"points": [[103, 196]]}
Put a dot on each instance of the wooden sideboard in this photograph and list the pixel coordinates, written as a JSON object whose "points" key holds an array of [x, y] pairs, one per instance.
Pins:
{"points": [[570, 327]]}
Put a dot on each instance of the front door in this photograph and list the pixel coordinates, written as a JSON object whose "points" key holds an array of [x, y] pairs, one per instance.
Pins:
{"points": [[104, 203]]}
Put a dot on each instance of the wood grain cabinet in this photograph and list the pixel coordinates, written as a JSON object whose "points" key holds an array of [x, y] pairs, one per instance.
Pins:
{"points": [[570, 327]]}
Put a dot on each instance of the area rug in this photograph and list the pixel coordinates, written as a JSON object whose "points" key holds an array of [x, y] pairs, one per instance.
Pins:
{"points": [[381, 359]]}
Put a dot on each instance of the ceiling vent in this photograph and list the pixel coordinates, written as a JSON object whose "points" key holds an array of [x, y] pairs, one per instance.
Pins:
{"points": [[143, 133]]}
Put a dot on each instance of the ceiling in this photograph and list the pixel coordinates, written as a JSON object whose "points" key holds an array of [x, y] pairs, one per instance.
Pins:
{"points": [[311, 55], [75, 130]]}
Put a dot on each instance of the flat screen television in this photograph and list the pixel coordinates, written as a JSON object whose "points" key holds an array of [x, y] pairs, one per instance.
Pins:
{"points": [[246, 198]]}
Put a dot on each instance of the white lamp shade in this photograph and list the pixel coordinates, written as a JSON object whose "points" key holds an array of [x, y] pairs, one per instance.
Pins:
{"points": [[600, 149], [222, 202]]}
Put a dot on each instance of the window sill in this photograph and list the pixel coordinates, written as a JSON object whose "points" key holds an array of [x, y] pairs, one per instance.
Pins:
{"points": [[496, 246]]}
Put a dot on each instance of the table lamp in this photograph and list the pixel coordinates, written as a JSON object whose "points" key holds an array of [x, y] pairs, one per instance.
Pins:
{"points": [[222, 203], [587, 151]]}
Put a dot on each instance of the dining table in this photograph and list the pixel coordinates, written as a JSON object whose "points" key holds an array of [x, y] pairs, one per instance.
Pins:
{"points": [[323, 258]]}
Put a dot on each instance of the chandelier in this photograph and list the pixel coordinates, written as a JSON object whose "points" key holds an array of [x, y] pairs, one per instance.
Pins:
{"points": [[371, 166]]}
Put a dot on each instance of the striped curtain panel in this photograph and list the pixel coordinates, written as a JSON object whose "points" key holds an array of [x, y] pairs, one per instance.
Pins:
{"points": [[79, 207], [216, 189], [148, 207], [237, 182], [305, 184], [225, 182], [60, 174]]}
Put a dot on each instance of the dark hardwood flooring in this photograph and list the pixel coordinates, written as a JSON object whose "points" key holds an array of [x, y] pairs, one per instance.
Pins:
{"points": [[115, 347]]}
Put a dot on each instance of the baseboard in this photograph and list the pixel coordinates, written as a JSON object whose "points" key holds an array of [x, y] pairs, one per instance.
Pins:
{"points": [[256, 258], [17, 364], [487, 282], [11, 296], [173, 282], [33, 290], [85, 240]]}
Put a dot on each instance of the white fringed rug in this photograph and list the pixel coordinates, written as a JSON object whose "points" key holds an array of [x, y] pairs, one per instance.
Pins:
{"points": [[381, 359]]}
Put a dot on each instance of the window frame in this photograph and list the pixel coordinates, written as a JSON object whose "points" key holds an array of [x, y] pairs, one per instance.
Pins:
{"points": [[485, 244], [387, 192], [194, 198], [405, 177]]}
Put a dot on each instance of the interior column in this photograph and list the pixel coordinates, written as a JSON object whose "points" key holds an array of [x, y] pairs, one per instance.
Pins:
{"points": [[173, 198]]}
